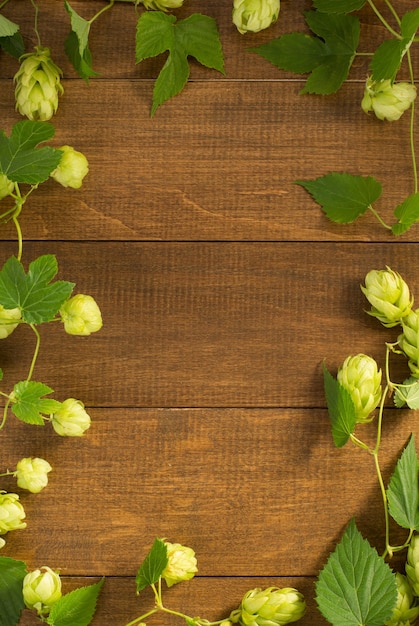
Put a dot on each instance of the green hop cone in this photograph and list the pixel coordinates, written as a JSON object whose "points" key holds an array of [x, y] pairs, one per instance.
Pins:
{"points": [[412, 564], [361, 377], [41, 589], [269, 607], [409, 341], [38, 85], [6, 186], [388, 295], [406, 610], [388, 101], [32, 474], [71, 419], [11, 513], [182, 564], [162, 5], [254, 15], [8, 321], [72, 168], [81, 315]]}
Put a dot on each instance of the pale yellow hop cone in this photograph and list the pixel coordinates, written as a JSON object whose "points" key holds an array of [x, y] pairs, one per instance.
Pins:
{"points": [[182, 564], [12, 513], [41, 589], [32, 474], [409, 341], [412, 564], [38, 85], [389, 296], [254, 15], [162, 5], [71, 419], [406, 610], [72, 168], [270, 607], [8, 322], [81, 315], [361, 377], [388, 101]]}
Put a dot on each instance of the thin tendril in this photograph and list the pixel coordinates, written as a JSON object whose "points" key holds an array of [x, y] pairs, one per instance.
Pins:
{"points": [[383, 20], [109, 6], [35, 26], [36, 351]]}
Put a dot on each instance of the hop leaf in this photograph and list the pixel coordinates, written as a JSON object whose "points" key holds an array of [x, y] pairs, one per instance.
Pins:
{"points": [[12, 573], [30, 404], [153, 565], [38, 300], [341, 408], [356, 587], [75, 608], [20, 158], [77, 44], [403, 490], [196, 36]]}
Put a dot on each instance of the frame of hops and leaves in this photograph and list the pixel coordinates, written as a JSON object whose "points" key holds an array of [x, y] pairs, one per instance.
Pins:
{"points": [[356, 586]]}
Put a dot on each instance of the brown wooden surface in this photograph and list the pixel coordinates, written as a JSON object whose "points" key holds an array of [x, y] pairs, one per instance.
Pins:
{"points": [[222, 287]]}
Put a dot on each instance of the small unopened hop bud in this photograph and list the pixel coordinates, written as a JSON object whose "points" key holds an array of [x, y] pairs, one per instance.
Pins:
{"points": [[406, 611], [11, 513], [32, 474], [41, 589], [270, 607], [72, 168], [361, 377], [162, 5], [182, 564], [71, 419], [38, 85], [254, 15], [388, 295], [8, 319], [6, 186], [388, 101], [409, 341], [412, 564], [81, 315]]}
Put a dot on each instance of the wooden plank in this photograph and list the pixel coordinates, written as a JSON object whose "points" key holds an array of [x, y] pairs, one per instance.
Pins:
{"points": [[112, 38], [226, 177], [204, 324], [249, 490], [211, 598]]}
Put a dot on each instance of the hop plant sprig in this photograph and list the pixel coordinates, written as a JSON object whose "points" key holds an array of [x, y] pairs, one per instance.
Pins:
{"points": [[175, 563]]}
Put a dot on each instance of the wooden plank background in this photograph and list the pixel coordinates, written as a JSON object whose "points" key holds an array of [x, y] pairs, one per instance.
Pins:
{"points": [[222, 287]]}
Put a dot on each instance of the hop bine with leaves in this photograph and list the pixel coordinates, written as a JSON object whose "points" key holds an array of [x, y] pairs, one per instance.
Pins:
{"points": [[357, 586]]}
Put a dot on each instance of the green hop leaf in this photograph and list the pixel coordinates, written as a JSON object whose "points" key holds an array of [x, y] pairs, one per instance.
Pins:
{"points": [[338, 6], [341, 409], [153, 565], [344, 197], [407, 213], [29, 402], [76, 44], [38, 300], [328, 56], [10, 39], [77, 607], [12, 573], [356, 587], [388, 57], [408, 394], [20, 159], [403, 489], [195, 36]]}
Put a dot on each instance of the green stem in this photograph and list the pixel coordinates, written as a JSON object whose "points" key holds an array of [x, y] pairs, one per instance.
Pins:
{"points": [[138, 620], [383, 20], [35, 25], [6, 408], [36, 351], [19, 237], [379, 218], [412, 124], [99, 13], [393, 11], [3, 4], [388, 550]]}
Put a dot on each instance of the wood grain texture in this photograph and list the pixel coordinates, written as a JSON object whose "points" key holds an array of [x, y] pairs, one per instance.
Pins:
{"points": [[223, 287]]}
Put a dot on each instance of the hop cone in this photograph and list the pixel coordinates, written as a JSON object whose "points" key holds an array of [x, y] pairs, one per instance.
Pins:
{"points": [[406, 610], [38, 85], [412, 564], [409, 340]]}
